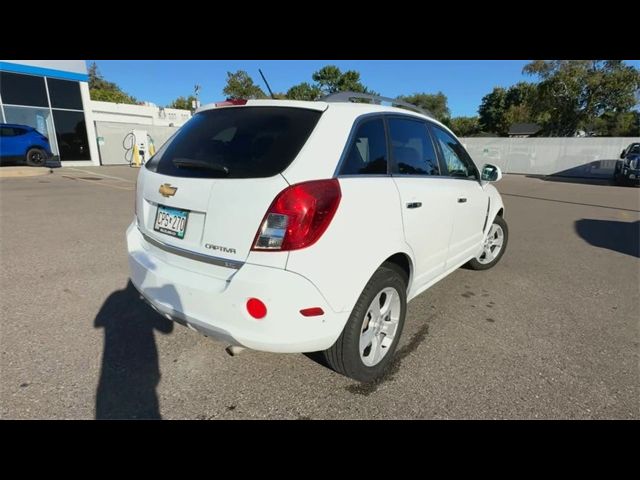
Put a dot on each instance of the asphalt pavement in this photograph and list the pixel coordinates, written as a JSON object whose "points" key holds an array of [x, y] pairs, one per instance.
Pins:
{"points": [[553, 331]]}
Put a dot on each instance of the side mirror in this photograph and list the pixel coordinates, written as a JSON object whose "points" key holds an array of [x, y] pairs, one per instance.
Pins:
{"points": [[491, 173], [622, 154]]}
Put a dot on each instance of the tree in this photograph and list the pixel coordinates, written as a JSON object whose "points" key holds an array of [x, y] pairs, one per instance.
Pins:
{"points": [[503, 107], [330, 79], [614, 124], [435, 103], [240, 85], [464, 126], [183, 103], [105, 91], [572, 93], [303, 91]]}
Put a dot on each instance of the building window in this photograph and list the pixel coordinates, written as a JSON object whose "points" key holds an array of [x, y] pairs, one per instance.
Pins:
{"points": [[16, 89], [71, 132], [38, 118], [64, 94]]}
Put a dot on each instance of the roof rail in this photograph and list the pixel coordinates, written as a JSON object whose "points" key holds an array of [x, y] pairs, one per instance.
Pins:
{"points": [[347, 96]]}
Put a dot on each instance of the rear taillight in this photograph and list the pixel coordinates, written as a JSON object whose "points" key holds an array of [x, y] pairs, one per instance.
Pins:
{"points": [[298, 216]]}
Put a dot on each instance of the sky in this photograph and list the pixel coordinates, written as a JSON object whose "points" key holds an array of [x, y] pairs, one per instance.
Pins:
{"points": [[464, 82]]}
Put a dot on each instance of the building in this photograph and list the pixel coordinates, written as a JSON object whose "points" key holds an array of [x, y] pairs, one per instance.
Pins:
{"points": [[53, 97], [524, 130]]}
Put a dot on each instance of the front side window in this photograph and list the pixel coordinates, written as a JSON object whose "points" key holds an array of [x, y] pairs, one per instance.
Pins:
{"points": [[456, 159], [411, 148], [367, 152]]}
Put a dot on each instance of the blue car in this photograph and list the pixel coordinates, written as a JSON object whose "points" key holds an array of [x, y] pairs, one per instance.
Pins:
{"points": [[22, 143]]}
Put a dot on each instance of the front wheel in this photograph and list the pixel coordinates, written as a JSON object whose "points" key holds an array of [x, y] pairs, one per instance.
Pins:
{"points": [[36, 157], [495, 243], [366, 346]]}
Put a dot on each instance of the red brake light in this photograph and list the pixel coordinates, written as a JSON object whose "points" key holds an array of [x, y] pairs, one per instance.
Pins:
{"points": [[298, 216], [232, 101]]}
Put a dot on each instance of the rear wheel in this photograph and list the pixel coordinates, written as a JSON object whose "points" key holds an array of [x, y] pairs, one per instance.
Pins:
{"points": [[493, 247], [366, 346], [35, 157]]}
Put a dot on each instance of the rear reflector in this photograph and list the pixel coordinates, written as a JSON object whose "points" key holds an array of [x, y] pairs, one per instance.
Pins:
{"points": [[256, 308], [312, 312]]}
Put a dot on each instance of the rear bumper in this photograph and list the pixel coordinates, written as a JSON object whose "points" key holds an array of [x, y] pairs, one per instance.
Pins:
{"points": [[217, 307]]}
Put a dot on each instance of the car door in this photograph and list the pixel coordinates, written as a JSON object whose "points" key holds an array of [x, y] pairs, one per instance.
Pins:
{"points": [[427, 209], [21, 141], [470, 201]]}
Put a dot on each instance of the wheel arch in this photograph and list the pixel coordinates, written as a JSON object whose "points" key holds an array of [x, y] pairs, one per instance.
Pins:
{"points": [[38, 147], [402, 260]]}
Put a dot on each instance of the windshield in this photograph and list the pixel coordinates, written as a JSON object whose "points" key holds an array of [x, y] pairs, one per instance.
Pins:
{"points": [[236, 142]]}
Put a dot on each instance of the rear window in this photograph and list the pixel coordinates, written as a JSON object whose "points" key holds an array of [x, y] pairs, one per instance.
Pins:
{"points": [[236, 142]]}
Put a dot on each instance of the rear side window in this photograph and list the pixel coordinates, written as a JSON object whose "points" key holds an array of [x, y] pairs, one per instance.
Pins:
{"points": [[411, 148], [236, 142], [367, 152]]}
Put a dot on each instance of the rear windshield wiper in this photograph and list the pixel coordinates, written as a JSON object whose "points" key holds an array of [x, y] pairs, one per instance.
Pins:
{"points": [[189, 163]]}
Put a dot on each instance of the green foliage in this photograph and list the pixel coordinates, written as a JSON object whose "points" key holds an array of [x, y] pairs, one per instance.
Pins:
{"points": [[464, 126], [330, 79], [574, 93], [240, 85], [105, 91], [303, 91], [614, 124], [435, 103], [183, 103], [502, 107]]}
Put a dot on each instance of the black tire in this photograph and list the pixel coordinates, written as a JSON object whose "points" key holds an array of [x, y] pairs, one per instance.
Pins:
{"points": [[35, 157], [344, 355], [474, 264]]}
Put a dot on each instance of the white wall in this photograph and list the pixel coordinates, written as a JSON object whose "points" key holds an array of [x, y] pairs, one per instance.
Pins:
{"points": [[138, 114], [572, 157], [112, 136]]}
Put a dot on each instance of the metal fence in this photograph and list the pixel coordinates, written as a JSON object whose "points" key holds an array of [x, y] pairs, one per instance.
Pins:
{"points": [[590, 157], [111, 140]]}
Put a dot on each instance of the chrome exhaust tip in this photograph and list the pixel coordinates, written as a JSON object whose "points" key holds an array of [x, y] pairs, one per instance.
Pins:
{"points": [[234, 350]]}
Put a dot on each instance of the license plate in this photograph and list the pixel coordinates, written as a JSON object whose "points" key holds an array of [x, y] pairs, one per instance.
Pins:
{"points": [[171, 221]]}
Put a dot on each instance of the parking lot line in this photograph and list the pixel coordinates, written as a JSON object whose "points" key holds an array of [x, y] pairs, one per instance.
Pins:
{"points": [[73, 177], [101, 175]]}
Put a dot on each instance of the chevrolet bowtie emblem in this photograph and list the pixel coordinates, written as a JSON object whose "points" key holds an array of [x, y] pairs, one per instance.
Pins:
{"points": [[166, 190]]}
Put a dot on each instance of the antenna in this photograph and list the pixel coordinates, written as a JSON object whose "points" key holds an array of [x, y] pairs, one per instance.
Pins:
{"points": [[266, 83]]}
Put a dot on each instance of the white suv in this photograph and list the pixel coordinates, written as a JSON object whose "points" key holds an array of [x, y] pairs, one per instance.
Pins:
{"points": [[291, 226]]}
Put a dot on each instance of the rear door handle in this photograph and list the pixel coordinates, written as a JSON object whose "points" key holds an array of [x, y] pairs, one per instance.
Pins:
{"points": [[414, 205], [462, 200]]}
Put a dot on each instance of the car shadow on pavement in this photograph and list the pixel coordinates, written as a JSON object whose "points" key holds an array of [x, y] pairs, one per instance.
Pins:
{"points": [[130, 369], [623, 237], [608, 181]]}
